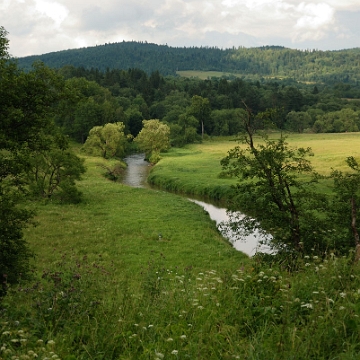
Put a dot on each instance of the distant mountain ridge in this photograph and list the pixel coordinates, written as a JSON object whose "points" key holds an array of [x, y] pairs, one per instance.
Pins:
{"points": [[267, 61]]}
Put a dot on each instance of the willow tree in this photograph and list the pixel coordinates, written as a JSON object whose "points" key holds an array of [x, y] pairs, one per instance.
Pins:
{"points": [[107, 141], [153, 138]]}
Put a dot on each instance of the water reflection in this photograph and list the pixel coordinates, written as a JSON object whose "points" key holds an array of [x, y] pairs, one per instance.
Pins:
{"points": [[137, 171], [249, 244], [136, 174]]}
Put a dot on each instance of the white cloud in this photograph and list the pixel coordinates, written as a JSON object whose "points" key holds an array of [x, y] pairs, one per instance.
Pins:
{"points": [[50, 25]]}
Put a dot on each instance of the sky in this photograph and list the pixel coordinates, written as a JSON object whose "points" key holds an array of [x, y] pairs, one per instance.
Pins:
{"points": [[41, 26]]}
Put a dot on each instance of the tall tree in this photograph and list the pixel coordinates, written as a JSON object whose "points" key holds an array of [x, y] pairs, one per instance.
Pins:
{"points": [[344, 213], [201, 109], [107, 141], [270, 189], [153, 138], [27, 105]]}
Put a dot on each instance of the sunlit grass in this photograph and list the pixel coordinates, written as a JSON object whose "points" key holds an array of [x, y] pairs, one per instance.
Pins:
{"points": [[196, 168]]}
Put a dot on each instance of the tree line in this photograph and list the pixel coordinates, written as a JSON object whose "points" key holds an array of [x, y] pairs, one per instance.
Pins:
{"points": [[328, 67], [194, 108]]}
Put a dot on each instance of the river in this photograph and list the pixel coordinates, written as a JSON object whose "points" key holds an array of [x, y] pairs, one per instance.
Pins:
{"points": [[136, 175]]}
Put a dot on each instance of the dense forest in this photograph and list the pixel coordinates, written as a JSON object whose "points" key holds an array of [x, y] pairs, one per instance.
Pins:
{"points": [[131, 96], [327, 67]]}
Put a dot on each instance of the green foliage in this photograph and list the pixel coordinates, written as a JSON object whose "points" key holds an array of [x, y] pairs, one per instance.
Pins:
{"points": [[107, 141], [270, 189], [200, 108], [344, 211], [52, 173], [185, 130], [31, 156], [15, 253], [329, 67], [153, 138]]}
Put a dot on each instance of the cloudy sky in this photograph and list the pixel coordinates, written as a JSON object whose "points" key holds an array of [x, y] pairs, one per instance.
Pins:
{"points": [[42, 26]]}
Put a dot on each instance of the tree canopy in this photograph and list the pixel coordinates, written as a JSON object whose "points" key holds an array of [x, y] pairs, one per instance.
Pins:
{"points": [[153, 138], [34, 155]]}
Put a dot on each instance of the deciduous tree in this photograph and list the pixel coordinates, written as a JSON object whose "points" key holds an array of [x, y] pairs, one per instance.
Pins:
{"points": [[153, 138], [107, 141], [270, 189]]}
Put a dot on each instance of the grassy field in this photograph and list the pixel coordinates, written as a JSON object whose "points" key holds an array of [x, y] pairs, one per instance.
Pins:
{"points": [[129, 227], [143, 274], [196, 168]]}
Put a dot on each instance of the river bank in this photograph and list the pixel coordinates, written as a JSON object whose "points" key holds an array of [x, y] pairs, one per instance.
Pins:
{"points": [[106, 286], [136, 175]]}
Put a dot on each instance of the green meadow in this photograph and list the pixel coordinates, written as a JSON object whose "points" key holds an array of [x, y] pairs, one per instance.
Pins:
{"points": [[144, 274], [195, 169]]}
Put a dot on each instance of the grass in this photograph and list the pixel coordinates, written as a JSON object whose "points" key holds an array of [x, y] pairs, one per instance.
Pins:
{"points": [[128, 226], [107, 286], [195, 169]]}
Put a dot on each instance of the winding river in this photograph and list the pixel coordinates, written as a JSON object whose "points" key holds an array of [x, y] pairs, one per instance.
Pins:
{"points": [[136, 175]]}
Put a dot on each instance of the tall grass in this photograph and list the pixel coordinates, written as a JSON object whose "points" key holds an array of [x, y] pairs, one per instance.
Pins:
{"points": [[142, 274], [251, 311]]}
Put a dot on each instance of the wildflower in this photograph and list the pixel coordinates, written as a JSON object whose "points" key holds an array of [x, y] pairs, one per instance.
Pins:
{"points": [[51, 342], [307, 264], [174, 352], [308, 306], [341, 308], [150, 326], [170, 339], [342, 294], [183, 337], [6, 333], [159, 355]]}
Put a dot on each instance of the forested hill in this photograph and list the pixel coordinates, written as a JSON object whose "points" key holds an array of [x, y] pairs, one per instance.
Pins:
{"points": [[270, 61]]}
